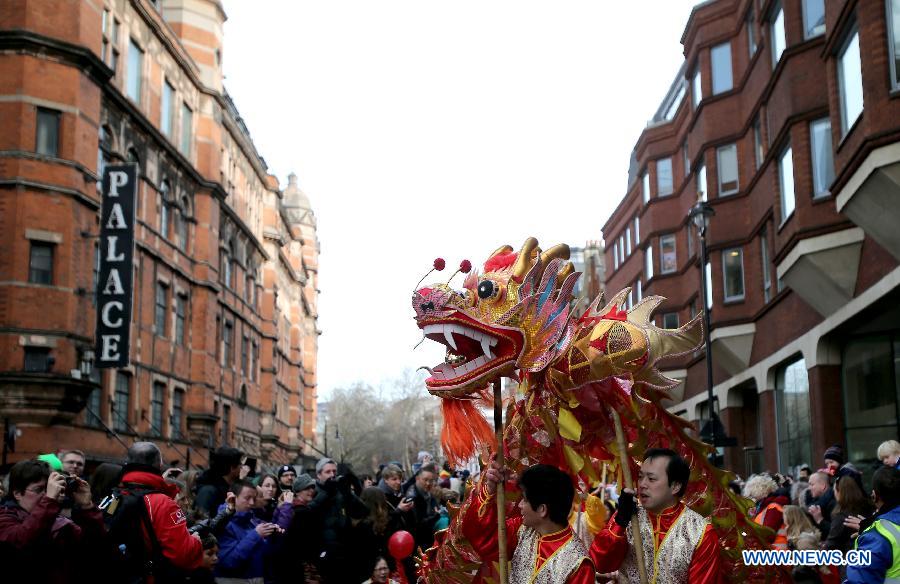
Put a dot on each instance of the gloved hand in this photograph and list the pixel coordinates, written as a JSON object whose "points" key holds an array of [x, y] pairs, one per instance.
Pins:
{"points": [[625, 509], [343, 484], [330, 485]]}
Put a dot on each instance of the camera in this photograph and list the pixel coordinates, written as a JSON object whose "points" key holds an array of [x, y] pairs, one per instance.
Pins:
{"points": [[71, 484]]}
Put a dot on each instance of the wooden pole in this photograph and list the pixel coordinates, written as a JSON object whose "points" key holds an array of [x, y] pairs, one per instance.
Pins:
{"points": [[501, 488], [629, 484]]}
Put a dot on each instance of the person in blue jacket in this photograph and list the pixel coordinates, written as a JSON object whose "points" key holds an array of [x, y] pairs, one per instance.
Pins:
{"points": [[881, 533], [247, 541]]}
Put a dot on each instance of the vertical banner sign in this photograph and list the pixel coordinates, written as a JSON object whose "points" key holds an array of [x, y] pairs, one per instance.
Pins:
{"points": [[114, 283]]}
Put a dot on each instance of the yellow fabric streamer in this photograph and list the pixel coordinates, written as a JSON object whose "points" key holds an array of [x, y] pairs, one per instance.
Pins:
{"points": [[573, 458], [569, 427]]}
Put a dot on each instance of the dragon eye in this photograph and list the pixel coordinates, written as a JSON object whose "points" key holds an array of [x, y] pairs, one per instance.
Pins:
{"points": [[487, 289]]}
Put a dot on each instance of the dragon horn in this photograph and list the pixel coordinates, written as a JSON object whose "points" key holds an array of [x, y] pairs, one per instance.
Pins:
{"points": [[501, 249], [557, 251], [523, 262], [567, 269]]}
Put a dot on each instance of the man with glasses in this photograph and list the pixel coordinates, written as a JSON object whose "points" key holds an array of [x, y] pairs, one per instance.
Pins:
{"points": [[32, 530], [425, 505], [73, 463]]}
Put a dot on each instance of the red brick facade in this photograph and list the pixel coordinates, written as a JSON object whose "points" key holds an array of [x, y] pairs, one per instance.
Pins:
{"points": [[834, 266], [221, 251]]}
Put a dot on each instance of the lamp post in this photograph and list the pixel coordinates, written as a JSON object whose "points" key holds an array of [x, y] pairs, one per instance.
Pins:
{"points": [[700, 214]]}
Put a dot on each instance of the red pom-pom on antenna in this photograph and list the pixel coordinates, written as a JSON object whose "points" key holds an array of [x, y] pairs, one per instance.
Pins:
{"points": [[439, 264], [465, 266]]}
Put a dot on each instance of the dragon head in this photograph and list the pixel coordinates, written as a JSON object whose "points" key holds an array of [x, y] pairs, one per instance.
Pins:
{"points": [[512, 316]]}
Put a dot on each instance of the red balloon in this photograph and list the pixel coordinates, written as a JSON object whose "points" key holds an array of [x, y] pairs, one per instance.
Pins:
{"points": [[401, 545]]}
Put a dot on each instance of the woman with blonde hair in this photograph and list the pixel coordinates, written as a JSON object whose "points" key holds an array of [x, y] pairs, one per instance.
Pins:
{"points": [[797, 522], [769, 507]]}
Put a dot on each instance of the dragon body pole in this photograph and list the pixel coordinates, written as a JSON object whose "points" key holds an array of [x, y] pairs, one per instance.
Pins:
{"points": [[629, 484], [501, 490]]}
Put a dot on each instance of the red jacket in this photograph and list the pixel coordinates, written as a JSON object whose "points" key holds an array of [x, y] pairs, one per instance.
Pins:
{"points": [[168, 520]]}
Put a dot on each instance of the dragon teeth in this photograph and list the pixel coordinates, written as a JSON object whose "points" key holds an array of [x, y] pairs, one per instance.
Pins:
{"points": [[448, 335], [486, 346]]}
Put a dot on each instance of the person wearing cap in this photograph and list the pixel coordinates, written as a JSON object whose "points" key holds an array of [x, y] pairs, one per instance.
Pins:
{"points": [[286, 476], [834, 459], [297, 560], [336, 506]]}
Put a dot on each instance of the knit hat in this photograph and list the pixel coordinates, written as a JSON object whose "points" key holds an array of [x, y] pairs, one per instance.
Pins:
{"points": [[835, 453], [52, 460], [322, 462], [303, 482], [285, 468]]}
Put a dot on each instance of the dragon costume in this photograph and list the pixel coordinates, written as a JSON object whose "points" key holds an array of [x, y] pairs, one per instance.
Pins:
{"points": [[516, 319]]}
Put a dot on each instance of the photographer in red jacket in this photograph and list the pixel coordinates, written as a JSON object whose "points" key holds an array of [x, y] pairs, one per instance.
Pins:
{"points": [[165, 541]]}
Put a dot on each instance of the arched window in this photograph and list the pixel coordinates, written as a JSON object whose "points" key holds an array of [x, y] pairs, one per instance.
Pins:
{"points": [[792, 415], [225, 265], [181, 223], [164, 209]]}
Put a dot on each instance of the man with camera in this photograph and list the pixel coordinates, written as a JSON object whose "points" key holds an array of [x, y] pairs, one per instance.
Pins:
{"points": [[336, 507], [246, 541], [38, 544]]}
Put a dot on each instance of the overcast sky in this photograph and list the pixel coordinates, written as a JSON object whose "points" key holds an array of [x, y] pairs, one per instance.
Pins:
{"points": [[421, 129]]}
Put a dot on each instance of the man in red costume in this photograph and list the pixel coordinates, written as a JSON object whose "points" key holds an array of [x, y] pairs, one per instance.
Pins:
{"points": [[543, 547], [679, 544]]}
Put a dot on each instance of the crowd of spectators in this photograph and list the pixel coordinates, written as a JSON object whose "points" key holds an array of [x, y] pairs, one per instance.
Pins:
{"points": [[143, 522]]}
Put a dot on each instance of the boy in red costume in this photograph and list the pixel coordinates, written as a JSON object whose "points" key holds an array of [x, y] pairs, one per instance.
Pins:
{"points": [[543, 547]]}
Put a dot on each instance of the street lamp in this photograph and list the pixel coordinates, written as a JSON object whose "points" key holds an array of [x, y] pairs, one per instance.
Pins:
{"points": [[700, 214]]}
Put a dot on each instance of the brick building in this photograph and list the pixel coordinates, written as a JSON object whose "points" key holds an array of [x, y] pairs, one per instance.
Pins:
{"points": [[223, 346], [785, 117]]}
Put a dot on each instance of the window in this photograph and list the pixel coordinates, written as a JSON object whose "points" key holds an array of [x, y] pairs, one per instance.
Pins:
{"points": [[696, 89], [786, 183], [254, 360], [40, 263], [616, 255], [245, 355], [164, 209], [159, 318], [675, 103], [664, 182], [181, 227], [758, 144], [687, 159], [733, 273], [637, 230], [778, 39], [46, 138], [822, 158], [114, 37], [751, 32], [167, 114], [850, 82], [638, 290], [156, 408], [894, 41], [709, 291], [670, 320], [701, 182], [648, 262], [792, 415], [813, 18], [668, 260], [727, 160], [180, 311], [187, 129], [226, 424], [764, 258], [37, 360], [225, 268], [135, 72], [92, 410], [645, 187], [721, 68], [228, 338], [121, 404], [621, 248], [628, 241], [177, 409], [104, 51], [630, 298]]}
